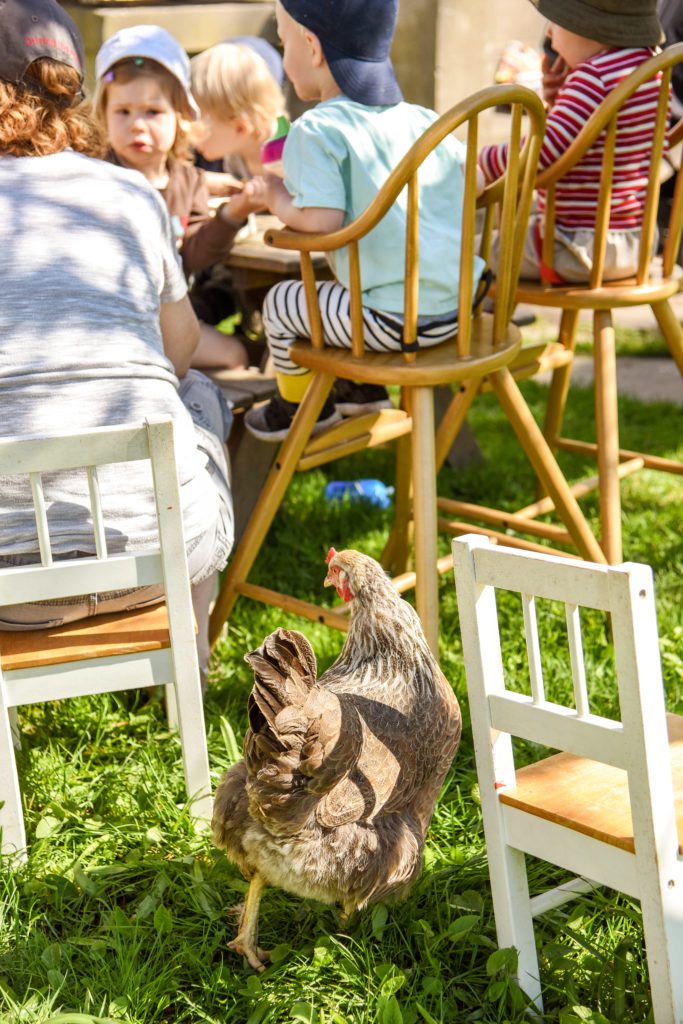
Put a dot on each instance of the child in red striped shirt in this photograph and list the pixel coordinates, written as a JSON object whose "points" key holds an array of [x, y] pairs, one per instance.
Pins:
{"points": [[599, 43]]}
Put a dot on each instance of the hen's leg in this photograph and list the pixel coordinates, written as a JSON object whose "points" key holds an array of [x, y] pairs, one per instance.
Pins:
{"points": [[245, 940]]}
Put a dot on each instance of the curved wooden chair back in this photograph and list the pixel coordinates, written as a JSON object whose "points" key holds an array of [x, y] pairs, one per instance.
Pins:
{"points": [[605, 120], [512, 195]]}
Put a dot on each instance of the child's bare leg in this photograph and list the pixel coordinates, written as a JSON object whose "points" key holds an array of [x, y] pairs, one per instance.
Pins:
{"points": [[216, 349]]}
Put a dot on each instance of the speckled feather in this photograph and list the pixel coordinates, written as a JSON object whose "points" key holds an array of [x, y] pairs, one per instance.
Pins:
{"points": [[340, 775]]}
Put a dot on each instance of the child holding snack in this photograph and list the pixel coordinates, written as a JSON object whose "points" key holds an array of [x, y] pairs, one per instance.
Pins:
{"points": [[599, 43], [336, 157], [144, 100], [240, 101]]}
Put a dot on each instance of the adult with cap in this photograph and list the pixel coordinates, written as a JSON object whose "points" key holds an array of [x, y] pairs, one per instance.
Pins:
{"points": [[96, 326], [336, 158], [599, 43]]}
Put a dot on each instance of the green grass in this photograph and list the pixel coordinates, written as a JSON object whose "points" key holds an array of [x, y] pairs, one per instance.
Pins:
{"points": [[123, 913]]}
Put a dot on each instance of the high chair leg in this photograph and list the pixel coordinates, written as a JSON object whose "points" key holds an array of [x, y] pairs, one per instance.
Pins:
{"points": [[453, 419], [544, 463], [607, 433], [271, 496], [396, 554], [424, 486], [559, 385], [11, 813], [671, 329]]}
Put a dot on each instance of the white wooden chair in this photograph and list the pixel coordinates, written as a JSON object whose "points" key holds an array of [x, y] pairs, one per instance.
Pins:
{"points": [[604, 807], [105, 653]]}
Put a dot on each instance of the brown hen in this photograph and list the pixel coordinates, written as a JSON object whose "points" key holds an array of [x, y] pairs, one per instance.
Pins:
{"points": [[340, 774]]}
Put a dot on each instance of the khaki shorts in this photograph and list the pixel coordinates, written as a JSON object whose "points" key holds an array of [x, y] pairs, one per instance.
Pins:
{"points": [[573, 254]]}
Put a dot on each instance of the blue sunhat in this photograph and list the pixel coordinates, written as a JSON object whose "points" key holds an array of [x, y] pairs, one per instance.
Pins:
{"points": [[266, 52], [356, 39]]}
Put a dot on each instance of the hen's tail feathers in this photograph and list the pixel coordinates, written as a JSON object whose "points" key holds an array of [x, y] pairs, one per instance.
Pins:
{"points": [[293, 750]]}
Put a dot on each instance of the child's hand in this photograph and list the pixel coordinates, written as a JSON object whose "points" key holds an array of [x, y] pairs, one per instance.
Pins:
{"points": [[249, 200], [554, 73], [221, 184]]}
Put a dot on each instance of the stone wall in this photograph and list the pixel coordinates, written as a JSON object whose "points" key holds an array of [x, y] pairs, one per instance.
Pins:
{"points": [[446, 49]]}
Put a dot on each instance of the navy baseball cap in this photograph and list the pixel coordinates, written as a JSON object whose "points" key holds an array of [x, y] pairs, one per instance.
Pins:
{"points": [[32, 29], [356, 39]]}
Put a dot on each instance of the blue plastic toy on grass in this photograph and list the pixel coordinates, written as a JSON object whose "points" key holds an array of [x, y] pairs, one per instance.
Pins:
{"points": [[374, 491]]}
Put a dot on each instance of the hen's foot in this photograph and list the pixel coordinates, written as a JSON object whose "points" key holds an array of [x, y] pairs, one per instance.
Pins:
{"points": [[256, 958]]}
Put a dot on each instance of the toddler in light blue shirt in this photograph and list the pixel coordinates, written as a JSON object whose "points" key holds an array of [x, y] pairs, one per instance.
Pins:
{"points": [[336, 158]]}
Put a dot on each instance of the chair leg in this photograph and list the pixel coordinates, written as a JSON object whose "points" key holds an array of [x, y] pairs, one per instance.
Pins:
{"points": [[453, 419], [559, 386], [512, 910], [544, 463], [11, 814], [190, 716], [14, 726], [663, 931], [424, 487], [396, 554], [671, 329], [271, 496], [607, 433]]}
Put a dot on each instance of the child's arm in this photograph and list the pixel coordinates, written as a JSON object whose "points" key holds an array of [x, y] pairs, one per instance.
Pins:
{"points": [[179, 333], [578, 97], [314, 219], [207, 239]]}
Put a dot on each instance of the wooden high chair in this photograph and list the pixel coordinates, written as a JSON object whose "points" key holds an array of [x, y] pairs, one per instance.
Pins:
{"points": [[608, 808], [483, 348], [653, 287]]}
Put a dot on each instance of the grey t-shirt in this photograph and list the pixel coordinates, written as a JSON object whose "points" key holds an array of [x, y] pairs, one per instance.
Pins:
{"points": [[86, 257]]}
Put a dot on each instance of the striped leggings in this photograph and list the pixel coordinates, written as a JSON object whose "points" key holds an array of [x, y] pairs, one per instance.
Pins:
{"points": [[285, 319]]}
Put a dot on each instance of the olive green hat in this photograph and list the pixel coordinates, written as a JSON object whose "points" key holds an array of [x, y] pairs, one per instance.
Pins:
{"points": [[612, 22]]}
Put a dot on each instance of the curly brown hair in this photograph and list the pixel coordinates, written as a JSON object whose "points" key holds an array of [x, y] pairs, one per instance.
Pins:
{"points": [[45, 113]]}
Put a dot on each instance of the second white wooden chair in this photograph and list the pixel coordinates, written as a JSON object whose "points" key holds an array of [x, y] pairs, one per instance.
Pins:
{"points": [[604, 808]]}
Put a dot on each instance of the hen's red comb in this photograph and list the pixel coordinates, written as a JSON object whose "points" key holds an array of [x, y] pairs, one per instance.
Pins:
{"points": [[330, 555]]}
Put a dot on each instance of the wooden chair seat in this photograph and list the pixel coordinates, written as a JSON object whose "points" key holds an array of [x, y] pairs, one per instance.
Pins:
{"points": [[102, 636], [627, 292], [438, 365], [588, 796]]}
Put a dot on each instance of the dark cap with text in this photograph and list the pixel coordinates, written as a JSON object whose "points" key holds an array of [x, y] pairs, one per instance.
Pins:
{"points": [[31, 29]]}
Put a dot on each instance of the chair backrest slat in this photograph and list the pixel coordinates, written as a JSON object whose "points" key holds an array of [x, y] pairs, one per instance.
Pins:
{"points": [[576, 660], [40, 511], [356, 302], [652, 195], [96, 508], [412, 257], [675, 227], [508, 236], [308, 278], [604, 205], [467, 241], [533, 648]]}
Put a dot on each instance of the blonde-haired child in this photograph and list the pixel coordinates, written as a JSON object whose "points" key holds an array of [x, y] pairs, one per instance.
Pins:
{"points": [[144, 100], [239, 102]]}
